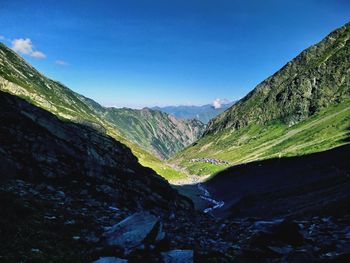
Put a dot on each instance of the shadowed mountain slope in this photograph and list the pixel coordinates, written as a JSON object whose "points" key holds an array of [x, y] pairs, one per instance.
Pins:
{"points": [[318, 183]]}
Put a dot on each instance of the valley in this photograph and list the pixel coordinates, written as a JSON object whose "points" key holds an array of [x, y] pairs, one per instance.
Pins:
{"points": [[263, 179]]}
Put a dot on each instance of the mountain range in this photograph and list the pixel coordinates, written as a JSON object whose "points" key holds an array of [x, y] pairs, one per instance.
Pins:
{"points": [[202, 113]]}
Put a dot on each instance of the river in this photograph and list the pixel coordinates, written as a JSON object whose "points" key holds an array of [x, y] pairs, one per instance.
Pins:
{"points": [[206, 196]]}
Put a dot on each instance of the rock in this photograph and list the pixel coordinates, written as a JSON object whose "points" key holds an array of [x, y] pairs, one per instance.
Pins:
{"points": [[110, 260], [134, 230], [36, 250], [61, 194], [287, 232], [281, 250], [299, 257], [178, 256], [70, 222]]}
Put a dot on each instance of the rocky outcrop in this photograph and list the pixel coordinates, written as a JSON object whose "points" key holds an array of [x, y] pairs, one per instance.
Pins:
{"points": [[135, 230]]}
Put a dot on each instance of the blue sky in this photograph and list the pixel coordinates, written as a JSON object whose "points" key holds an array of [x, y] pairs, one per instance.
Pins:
{"points": [[157, 52]]}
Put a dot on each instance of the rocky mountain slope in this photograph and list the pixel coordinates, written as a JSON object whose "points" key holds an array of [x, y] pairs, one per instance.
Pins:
{"points": [[69, 173], [202, 113], [19, 78], [155, 131], [303, 108], [70, 193], [315, 79]]}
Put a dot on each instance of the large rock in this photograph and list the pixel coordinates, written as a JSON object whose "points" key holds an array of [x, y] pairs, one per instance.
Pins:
{"points": [[178, 256], [110, 260], [135, 230]]}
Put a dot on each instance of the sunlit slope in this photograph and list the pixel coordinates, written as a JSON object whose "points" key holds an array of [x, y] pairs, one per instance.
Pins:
{"points": [[303, 108], [19, 78], [326, 129]]}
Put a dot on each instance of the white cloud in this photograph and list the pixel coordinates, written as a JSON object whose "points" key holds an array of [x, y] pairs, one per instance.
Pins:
{"points": [[2, 37], [62, 62], [217, 103], [38, 54], [25, 46]]}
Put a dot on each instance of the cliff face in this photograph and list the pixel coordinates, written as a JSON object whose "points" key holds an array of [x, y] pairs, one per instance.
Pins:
{"points": [[315, 79]]}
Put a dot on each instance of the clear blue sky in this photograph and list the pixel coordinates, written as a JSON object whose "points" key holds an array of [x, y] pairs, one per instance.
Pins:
{"points": [[158, 52]]}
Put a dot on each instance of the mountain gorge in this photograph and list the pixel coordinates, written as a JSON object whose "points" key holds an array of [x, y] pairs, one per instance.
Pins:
{"points": [[302, 108]]}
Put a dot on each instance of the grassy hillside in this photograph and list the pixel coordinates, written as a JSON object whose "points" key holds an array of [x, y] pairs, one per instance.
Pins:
{"points": [[303, 108], [317, 78], [327, 129]]}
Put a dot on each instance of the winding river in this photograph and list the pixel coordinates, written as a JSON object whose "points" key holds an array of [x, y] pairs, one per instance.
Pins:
{"points": [[206, 196]]}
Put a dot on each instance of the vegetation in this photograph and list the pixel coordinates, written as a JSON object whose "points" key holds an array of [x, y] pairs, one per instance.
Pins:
{"points": [[325, 130], [303, 108]]}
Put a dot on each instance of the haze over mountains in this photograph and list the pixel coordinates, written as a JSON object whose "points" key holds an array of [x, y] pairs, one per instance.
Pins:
{"points": [[202, 113], [74, 187]]}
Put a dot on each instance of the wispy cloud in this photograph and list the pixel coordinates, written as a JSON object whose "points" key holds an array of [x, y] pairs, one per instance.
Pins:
{"points": [[2, 37], [61, 62], [25, 46]]}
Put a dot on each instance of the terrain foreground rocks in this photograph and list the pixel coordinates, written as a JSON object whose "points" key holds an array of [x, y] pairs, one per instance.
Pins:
{"points": [[134, 230]]}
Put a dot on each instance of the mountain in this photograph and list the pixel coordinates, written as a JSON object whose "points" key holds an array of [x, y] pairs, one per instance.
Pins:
{"points": [[315, 79], [202, 113], [155, 131], [302, 108], [62, 184], [149, 142]]}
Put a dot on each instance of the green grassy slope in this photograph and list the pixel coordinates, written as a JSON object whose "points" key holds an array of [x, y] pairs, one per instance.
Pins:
{"points": [[327, 129], [19, 78], [303, 108], [154, 131]]}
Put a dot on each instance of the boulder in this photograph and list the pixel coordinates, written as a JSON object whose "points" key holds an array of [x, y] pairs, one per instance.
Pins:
{"points": [[178, 256], [110, 260], [135, 230]]}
